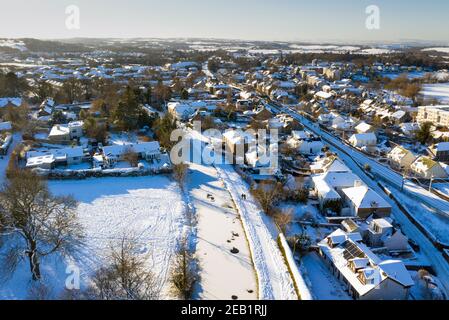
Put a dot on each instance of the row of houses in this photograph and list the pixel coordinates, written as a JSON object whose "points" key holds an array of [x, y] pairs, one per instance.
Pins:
{"points": [[106, 158], [420, 166], [365, 275]]}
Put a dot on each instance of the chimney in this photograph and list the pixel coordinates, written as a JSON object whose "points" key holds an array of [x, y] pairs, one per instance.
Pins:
{"points": [[358, 183]]}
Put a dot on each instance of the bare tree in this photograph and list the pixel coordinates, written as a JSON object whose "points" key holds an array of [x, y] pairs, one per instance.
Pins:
{"points": [[184, 273], [268, 195], [126, 277], [131, 157], [180, 174], [45, 223], [283, 218]]}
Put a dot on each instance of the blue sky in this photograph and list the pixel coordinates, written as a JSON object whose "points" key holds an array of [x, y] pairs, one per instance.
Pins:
{"points": [[296, 20]]}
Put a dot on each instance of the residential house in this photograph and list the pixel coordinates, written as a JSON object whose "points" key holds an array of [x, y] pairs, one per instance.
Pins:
{"points": [[441, 151], [364, 127], [401, 158], [61, 133], [328, 164], [426, 168], [238, 143], [185, 110], [364, 202], [381, 233], [364, 140], [329, 186], [437, 115], [49, 158], [410, 128], [145, 150], [364, 274]]}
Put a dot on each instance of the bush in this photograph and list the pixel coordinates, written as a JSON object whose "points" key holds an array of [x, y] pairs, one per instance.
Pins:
{"points": [[268, 194], [301, 195], [334, 205]]}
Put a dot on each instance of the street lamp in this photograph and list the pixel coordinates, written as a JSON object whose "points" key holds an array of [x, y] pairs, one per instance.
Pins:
{"points": [[403, 178]]}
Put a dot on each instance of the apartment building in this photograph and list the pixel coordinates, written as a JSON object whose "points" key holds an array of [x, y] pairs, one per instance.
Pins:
{"points": [[437, 115]]}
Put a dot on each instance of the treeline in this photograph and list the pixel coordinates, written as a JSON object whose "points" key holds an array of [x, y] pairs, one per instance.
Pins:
{"points": [[412, 57], [11, 85]]}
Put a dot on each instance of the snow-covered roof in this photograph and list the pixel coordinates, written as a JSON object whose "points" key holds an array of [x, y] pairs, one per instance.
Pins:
{"points": [[323, 95], [364, 197], [119, 150], [238, 136], [398, 153], [59, 130], [340, 179], [363, 127], [442, 147], [5, 126], [58, 154], [348, 250], [364, 137], [396, 270], [14, 101]]}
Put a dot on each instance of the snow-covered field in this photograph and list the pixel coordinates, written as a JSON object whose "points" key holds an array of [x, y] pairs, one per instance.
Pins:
{"points": [[14, 44], [439, 49], [148, 209], [438, 91]]}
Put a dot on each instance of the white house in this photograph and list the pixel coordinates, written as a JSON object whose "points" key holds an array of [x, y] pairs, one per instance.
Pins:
{"points": [[400, 158], [49, 158], [364, 274], [145, 150], [381, 233], [310, 147], [363, 140], [329, 164], [184, 110], [364, 202], [426, 168], [364, 127], [65, 133], [329, 186]]}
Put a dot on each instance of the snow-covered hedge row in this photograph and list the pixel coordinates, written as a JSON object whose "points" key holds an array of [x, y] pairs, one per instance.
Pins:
{"points": [[300, 283], [59, 174]]}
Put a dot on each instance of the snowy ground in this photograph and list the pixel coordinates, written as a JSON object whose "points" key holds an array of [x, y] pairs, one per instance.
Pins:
{"points": [[438, 91], [442, 187], [223, 274], [150, 209], [324, 285], [437, 224], [275, 282]]}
